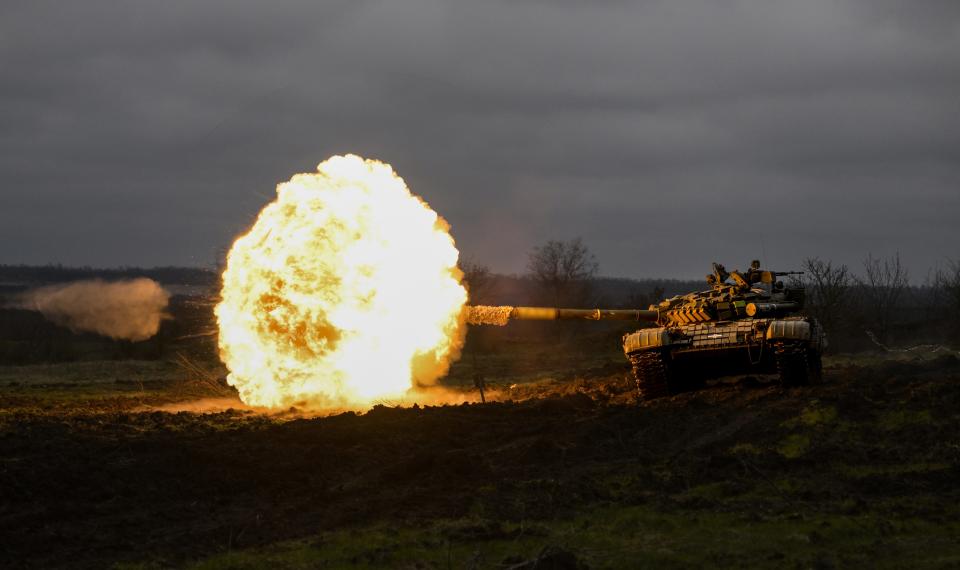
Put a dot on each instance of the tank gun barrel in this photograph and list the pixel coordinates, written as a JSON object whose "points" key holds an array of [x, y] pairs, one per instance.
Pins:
{"points": [[552, 314], [484, 315]]}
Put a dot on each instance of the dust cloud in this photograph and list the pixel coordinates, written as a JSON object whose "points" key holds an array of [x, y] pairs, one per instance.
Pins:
{"points": [[123, 310]]}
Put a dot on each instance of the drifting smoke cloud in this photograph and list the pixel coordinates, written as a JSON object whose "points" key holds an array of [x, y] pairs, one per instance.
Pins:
{"points": [[123, 310]]}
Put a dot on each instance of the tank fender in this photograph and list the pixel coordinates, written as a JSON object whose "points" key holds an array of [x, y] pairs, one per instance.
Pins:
{"points": [[792, 330], [645, 339]]}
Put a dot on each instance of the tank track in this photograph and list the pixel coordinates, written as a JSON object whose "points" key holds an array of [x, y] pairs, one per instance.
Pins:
{"points": [[652, 374], [797, 364]]}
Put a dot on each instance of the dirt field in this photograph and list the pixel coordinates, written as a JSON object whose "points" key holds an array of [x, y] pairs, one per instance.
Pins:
{"points": [[861, 471]]}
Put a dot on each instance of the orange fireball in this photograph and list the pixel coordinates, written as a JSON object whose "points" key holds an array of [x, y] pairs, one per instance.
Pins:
{"points": [[345, 291]]}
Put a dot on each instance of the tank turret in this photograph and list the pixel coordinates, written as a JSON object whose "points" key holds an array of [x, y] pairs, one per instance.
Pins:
{"points": [[726, 300]]}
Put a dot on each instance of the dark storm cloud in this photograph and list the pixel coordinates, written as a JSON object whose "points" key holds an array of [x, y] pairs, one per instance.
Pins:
{"points": [[666, 133]]}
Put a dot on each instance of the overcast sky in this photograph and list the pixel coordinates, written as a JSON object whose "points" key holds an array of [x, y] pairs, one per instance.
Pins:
{"points": [[667, 134]]}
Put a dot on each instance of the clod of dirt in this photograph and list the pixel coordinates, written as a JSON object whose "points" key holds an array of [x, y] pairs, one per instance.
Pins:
{"points": [[566, 403]]}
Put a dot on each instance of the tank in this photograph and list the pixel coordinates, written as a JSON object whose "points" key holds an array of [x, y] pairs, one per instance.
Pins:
{"points": [[746, 323]]}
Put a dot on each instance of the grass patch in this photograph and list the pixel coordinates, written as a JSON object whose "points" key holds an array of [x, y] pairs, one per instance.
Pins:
{"points": [[746, 449], [109, 372], [813, 415], [899, 419], [619, 537], [863, 471], [109, 386], [794, 446], [710, 491]]}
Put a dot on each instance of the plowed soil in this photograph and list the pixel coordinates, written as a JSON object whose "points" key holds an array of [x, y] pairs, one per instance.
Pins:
{"points": [[871, 457]]}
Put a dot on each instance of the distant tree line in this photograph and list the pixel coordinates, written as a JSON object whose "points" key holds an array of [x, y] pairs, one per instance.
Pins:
{"points": [[871, 306], [565, 273], [880, 304]]}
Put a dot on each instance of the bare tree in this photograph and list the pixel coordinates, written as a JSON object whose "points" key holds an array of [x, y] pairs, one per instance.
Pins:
{"points": [[642, 298], [827, 292], [563, 270], [946, 284], [478, 279], [882, 287]]}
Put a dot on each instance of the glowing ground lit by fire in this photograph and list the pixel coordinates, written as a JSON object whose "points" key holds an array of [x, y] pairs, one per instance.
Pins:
{"points": [[345, 291]]}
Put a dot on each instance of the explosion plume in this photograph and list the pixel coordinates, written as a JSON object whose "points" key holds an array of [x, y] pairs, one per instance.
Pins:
{"points": [[124, 310], [345, 291]]}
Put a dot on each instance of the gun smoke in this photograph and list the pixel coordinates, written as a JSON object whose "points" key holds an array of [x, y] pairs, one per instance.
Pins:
{"points": [[122, 310], [487, 315]]}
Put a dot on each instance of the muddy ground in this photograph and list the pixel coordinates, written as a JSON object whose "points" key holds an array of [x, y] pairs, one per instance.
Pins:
{"points": [[861, 471]]}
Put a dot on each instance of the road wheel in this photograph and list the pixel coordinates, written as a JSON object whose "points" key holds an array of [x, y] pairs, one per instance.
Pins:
{"points": [[793, 363], [652, 372]]}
